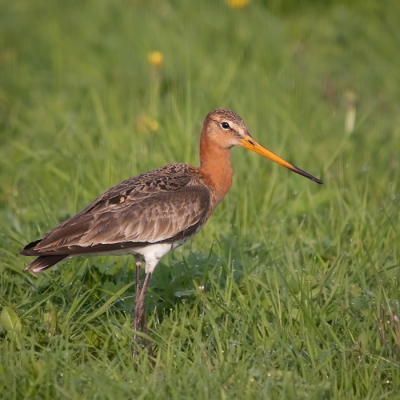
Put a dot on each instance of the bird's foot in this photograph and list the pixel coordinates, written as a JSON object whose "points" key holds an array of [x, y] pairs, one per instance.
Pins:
{"points": [[140, 342]]}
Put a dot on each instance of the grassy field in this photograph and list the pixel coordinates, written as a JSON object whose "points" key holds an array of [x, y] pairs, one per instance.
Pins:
{"points": [[301, 282]]}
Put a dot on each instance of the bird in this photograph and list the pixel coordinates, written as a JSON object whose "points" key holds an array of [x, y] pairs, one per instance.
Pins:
{"points": [[153, 213]]}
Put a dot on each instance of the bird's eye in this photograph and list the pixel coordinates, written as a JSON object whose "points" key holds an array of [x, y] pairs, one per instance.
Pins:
{"points": [[225, 125]]}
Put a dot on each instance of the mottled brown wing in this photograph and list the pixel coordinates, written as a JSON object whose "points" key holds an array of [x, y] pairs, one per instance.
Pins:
{"points": [[116, 221]]}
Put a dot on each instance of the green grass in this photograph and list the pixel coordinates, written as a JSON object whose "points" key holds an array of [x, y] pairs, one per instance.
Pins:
{"points": [[301, 281]]}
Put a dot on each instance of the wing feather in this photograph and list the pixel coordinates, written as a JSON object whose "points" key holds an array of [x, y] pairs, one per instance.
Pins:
{"points": [[162, 215]]}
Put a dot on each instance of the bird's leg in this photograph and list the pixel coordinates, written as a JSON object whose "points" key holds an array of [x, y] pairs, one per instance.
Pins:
{"points": [[142, 316], [139, 316], [138, 261]]}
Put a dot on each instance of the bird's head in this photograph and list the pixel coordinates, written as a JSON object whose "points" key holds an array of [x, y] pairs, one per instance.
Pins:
{"points": [[226, 129]]}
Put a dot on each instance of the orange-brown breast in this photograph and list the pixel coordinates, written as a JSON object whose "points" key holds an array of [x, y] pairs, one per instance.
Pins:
{"points": [[216, 170]]}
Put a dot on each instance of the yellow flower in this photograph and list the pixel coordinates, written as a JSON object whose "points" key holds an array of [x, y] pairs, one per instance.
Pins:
{"points": [[156, 58], [146, 123], [237, 3]]}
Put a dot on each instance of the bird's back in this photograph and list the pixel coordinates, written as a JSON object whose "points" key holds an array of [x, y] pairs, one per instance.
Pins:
{"points": [[161, 206]]}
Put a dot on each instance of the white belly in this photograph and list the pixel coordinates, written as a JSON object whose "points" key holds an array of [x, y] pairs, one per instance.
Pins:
{"points": [[151, 253]]}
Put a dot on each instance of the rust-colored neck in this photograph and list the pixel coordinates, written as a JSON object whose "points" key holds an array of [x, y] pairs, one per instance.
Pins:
{"points": [[216, 166]]}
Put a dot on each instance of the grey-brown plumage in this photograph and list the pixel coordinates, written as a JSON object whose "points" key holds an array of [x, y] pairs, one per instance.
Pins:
{"points": [[153, 213], [162, 206]]}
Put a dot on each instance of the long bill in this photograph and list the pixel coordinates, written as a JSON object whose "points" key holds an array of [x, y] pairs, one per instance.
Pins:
{"points": [[252, 145]]}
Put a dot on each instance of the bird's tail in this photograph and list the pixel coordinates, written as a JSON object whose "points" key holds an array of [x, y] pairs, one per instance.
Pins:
{"points": [[42, 263]]}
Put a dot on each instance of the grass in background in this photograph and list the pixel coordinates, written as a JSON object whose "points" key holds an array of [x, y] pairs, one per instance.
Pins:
{"points": [[301, 282]]}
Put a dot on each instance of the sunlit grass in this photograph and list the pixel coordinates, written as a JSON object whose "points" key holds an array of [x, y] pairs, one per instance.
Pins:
{"points": [[291, 290]]}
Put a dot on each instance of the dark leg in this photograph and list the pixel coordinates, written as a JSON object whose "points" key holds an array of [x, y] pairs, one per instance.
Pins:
{"points": [[139, 316], [138, 261]]}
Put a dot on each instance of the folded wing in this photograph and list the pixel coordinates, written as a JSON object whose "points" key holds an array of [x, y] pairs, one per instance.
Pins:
{"points": [[127, 219]]}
